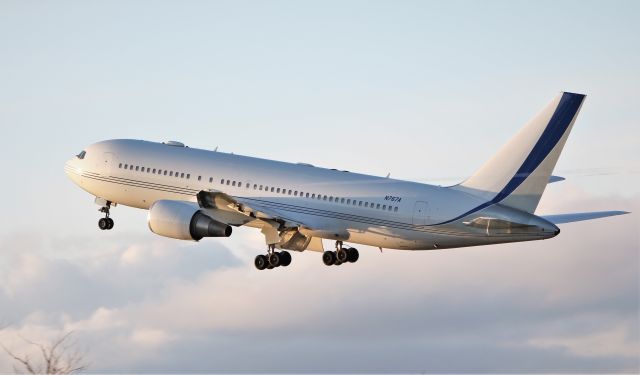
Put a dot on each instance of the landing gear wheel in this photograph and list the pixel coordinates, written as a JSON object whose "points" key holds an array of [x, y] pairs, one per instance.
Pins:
{"points": [[352, 255], [337, 262], [274, 259], [103, 223], [342, 255], [109, 223], [328, 258], [261, 262], [285, 258]]}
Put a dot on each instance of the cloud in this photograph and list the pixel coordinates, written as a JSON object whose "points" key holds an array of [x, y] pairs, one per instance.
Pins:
{"points": [[147, 304]]}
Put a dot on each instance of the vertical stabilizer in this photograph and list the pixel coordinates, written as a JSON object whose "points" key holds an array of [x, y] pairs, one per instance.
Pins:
{"points": [[517, 175]]}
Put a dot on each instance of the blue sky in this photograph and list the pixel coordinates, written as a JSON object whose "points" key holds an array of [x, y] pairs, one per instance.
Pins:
{"points": [[424, 90]]}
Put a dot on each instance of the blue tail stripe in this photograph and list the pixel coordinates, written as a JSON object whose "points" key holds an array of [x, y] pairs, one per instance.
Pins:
{"points": [[560, 121], [557, 126]]}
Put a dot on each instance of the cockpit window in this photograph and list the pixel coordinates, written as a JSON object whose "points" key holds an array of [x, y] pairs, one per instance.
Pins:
{"points": [[81, 154]]}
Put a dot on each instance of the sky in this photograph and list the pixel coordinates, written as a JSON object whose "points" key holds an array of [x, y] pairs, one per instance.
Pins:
{"points": [[426, 91]]}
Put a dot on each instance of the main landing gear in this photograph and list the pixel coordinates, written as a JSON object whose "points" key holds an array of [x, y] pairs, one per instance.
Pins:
{"points": [[106, 223], [272, 259], [340, 256]]}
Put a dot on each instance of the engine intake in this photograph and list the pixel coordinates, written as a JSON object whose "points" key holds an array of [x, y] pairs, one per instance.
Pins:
{"points": [[184, 221]]}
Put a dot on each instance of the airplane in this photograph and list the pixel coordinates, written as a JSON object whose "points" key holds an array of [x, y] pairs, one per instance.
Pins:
{"points": [[192, 193]]}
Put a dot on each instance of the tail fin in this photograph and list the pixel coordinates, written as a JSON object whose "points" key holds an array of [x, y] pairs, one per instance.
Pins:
{"points": [[518, 174]]}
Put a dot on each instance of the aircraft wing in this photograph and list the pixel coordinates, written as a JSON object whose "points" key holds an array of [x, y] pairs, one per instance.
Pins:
{"points": [[278, 228], [223, 201], [580, 216]]}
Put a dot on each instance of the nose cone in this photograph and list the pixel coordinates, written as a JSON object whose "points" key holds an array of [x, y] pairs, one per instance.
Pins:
{"points": [[73, 171]]}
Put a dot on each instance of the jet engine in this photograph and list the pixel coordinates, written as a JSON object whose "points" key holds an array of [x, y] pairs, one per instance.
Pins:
{"points": [[184, 221]]}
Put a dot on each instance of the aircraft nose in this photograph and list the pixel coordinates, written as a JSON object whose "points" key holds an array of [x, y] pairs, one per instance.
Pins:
{"points": [[72, 170]]}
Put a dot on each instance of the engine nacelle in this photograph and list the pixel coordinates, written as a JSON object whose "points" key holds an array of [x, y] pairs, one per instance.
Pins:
{"points": [[184, 221]]}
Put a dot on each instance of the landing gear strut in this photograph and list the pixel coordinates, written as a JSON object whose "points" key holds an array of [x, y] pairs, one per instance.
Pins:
{"points": [[106, 223], [340, 256], [272, 259]]}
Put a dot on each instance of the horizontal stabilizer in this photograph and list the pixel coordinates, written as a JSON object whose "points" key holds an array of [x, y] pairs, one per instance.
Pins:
{"points": [[570, 218], [553, 179]]}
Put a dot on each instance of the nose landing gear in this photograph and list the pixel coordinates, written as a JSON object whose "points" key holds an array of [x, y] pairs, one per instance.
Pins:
{"points": [[105, 223]]}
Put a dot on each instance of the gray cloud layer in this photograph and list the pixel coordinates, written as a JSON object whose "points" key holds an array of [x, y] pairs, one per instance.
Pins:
{"points": [[146, 304]]}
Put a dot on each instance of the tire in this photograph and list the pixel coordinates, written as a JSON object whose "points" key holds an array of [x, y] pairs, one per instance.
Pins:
{"points": [[353, 255], [103, 223], [274, 259], [285, 258], [342, 255], [261, 262], [328, 258], [109, 223]]}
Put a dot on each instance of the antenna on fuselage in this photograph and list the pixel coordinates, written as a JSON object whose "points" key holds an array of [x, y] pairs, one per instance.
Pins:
{"points": [[215, 149]]}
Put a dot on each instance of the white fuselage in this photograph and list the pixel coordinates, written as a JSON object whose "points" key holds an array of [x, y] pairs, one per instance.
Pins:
{"points": [[371, 210]]}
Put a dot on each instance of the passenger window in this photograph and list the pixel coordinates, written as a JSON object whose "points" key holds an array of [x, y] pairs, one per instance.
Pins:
{"points": [[165, 172], [359, 203], [199, 178], [260, 187], [366, 204], [395, 209], [306, 195], [221, 181], [247, 185], [324, 198], [342, 200], [137, 168], [120, 166], [171, 173], [255, 186], [272, 189], [384, 207], [277, 190], [348, 201], [313, 196], [181, 175], [378, 206], [289, 192], [126, 166], [295, 193], [154, 171], [188, 176]]}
